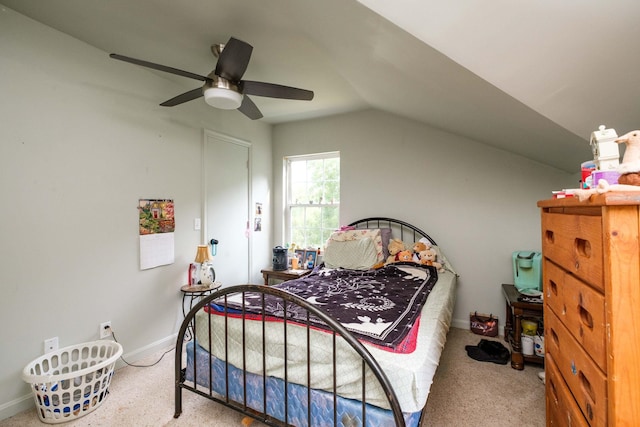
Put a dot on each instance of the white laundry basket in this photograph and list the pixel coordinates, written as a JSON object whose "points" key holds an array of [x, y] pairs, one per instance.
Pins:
{"points": [[73, 381]]}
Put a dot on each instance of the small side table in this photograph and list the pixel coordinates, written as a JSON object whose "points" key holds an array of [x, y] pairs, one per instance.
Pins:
{"points": [[516, 311], [284, 275], [193, 294]]}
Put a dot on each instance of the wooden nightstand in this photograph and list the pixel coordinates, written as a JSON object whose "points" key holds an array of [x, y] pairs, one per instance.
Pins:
{"points": [[516, 311], [282, 275]]}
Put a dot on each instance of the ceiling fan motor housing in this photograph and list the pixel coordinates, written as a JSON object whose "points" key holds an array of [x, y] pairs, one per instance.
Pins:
{"points": [[221, 93]]}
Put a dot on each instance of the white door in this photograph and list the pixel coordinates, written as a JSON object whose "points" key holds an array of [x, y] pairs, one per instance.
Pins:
{"points": [[226, 189]]}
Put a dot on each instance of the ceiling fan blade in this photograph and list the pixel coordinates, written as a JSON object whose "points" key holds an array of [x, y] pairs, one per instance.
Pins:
{"points": [[249, 109], [275, 91], [158, 67], [185, 97], [233, 60]]}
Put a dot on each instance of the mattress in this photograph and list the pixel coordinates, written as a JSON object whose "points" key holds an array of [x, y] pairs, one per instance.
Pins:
{"points": [[410, 374], [348, 412]]}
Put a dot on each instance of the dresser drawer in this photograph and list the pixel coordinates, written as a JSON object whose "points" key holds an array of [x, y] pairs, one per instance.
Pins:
{"points": [[574, 242], [562, 409], [585, 380], [579, 307]]}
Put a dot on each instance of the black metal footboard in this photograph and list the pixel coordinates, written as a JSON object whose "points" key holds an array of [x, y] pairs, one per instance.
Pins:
{"points": [[220, 334]]}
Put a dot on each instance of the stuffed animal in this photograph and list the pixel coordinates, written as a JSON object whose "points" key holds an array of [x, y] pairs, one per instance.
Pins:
{"points": [[630, 167], [419, 247], [395, 247], [404, 256], [429, 257]]}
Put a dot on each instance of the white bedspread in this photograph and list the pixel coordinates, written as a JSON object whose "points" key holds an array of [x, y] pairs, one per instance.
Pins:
{"points": [[410, 375]]}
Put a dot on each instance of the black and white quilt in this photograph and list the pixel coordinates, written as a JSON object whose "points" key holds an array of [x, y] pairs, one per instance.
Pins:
{"points": [[378, 306]]}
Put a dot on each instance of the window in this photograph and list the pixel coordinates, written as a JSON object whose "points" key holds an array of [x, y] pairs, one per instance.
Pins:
{"points": [[313, 198]]}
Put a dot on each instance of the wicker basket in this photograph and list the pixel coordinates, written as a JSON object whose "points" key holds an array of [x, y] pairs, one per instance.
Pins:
{"points": [[73, 381]]}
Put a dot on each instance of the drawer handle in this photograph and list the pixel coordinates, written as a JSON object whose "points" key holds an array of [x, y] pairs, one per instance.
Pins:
{"points": [[548, 234], [586, 317], [588, 390], [554, 287], [554, 392], [583, 247], [554, 337]]}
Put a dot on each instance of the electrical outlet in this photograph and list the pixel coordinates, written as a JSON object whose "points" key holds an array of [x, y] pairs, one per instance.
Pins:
{"points": [[105, 329], [50, 345]]}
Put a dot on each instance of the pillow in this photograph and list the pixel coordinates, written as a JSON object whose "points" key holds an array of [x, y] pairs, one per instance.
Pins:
{"points": [[352, 235], [385, 235], [360, 254]]}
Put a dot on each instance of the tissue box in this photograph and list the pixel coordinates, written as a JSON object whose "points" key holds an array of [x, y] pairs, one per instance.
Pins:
{"points": [[587, 168], [610, 176]]}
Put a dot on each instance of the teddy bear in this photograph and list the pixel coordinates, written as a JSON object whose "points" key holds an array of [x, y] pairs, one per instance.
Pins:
{"points": [[404, 256], [417, 248], [395, 247], [429, 257]]}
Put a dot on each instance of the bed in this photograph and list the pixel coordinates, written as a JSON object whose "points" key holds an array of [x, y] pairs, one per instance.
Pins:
{"points": [[353, 343]]}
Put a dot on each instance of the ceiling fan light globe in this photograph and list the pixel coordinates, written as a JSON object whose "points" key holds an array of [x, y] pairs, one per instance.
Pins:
{"points": [[225, 99]]}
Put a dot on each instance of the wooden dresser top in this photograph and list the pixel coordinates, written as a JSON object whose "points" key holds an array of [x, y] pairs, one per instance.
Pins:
{"points": [[611, 198]]}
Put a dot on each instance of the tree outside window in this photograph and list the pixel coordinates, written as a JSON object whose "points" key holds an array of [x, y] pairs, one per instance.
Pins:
{"points": [[313, 198]]}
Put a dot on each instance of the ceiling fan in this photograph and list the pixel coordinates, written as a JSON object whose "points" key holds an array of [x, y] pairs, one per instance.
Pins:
{"points": [[223, 87]]}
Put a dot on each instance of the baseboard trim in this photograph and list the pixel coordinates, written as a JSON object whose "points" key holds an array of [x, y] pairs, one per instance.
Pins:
{"points": [[138, 355], [460, 323], [16, 406], [26, 402]]}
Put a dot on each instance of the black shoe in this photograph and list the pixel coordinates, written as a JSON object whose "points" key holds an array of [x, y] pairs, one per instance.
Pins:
{"points": [[476, 353], [494, 354], [495, 349]]}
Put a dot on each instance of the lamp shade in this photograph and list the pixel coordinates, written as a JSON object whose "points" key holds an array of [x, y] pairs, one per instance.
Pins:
{"points": [[223, 98], [203, 254]]}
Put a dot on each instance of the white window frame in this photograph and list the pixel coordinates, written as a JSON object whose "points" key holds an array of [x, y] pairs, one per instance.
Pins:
{"points": [[288, 204]]}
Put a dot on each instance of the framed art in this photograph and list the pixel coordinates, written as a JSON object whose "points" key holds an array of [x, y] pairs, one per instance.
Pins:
{"points": [[300, 256], [310, 257]]}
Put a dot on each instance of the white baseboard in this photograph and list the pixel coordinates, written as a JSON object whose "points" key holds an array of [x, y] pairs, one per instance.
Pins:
{"points": [[464, 324], [26, 402], [15, 406], [146, 351], [460, 323]]}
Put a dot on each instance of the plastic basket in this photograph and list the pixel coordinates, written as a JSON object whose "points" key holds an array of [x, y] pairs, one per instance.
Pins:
{"points": [[72, 381]]}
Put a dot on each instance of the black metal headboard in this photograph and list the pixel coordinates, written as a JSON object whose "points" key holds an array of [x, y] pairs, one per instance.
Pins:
{"points": [[399, 228]]}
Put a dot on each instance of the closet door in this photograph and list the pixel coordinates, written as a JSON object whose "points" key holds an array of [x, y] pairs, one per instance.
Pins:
{"points": [[227, 195]]}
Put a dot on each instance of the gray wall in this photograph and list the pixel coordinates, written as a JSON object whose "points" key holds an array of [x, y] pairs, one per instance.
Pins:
{"points": [[477, 202], [81, 139]]}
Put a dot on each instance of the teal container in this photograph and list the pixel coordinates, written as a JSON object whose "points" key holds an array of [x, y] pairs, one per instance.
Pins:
{"points": [[527, 271]]}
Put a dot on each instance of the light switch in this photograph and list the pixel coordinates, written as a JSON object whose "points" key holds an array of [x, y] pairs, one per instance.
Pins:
{"points": [[196, 224]]}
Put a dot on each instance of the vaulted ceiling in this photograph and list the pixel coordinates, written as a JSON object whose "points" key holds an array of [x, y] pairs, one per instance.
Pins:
{"points": [[533, 78]]}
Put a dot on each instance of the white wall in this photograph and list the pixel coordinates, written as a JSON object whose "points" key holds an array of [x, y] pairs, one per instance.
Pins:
{"points": [[477, 202], [82, 138]]}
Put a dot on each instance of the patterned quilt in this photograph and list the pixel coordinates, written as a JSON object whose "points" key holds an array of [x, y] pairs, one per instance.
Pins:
{"points": [[379, 306]]}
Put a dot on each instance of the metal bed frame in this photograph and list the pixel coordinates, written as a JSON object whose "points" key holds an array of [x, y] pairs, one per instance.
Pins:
{"points": [[336, 329]]}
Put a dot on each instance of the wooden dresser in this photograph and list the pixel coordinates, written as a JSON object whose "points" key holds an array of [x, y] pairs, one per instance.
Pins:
{"points": [[591, 281]]}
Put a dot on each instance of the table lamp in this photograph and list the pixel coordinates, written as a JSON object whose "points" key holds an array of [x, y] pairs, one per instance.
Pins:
{"points": [[201, 271]]}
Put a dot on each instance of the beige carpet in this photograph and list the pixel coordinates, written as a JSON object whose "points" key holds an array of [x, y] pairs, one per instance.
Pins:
{"points": [[465, 393]]}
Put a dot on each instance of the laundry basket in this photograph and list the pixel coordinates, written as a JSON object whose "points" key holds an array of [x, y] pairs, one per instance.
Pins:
{"points": [[72, 381]]}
